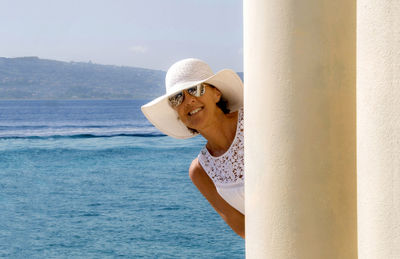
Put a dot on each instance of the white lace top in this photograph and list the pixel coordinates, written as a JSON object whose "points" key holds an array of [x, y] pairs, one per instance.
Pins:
{"points": [[227, 170]]}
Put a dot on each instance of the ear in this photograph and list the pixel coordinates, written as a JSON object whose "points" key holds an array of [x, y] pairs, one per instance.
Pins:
{"points": [[217, 95]]}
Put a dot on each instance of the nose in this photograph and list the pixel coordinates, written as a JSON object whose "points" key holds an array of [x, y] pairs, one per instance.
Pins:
{"points": [[187, 97]]}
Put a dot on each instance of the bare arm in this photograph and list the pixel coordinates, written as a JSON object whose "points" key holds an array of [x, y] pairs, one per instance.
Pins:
{"points": [[202, 181]]}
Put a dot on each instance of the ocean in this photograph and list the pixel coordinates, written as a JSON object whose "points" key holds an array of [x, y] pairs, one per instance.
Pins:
{"points": [[94, 179]]}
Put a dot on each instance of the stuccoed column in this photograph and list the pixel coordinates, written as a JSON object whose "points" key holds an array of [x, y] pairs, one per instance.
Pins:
{"points": [[300, 129], [378, 128]]}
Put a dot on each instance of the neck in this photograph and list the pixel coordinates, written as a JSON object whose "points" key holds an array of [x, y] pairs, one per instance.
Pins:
{"points": [[220, 133]]}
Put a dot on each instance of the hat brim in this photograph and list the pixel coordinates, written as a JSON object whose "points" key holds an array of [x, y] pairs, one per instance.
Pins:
{"points": [[166, 119]]}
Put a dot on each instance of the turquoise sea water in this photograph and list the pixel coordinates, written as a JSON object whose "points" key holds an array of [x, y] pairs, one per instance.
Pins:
{"points": [[93, 179]]}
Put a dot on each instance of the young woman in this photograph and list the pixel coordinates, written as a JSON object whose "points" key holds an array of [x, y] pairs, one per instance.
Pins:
{"points": [[197, 101]]}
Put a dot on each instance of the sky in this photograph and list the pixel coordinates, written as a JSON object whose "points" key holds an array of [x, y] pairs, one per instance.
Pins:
{"points": [[140, 33]]}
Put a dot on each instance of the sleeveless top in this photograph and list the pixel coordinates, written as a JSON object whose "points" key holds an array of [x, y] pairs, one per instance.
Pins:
{"points": [[227, 171]]}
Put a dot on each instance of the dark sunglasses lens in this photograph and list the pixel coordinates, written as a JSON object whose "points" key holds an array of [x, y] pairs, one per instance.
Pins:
{"points": [[192, 90], [176, 99], [197, 90], [202, 89]]}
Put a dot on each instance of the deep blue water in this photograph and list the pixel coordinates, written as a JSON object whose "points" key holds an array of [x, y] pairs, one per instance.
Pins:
{"points": [[93, 179]]}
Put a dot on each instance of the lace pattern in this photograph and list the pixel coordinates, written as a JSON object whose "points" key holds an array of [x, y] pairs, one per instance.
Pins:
{"points": [[229, 167]]}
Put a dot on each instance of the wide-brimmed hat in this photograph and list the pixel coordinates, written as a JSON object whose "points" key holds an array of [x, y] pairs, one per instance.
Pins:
{"points": [[185, 74]]}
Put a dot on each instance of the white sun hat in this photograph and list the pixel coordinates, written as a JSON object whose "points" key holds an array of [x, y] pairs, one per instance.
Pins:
{"points": [[185, 74]]}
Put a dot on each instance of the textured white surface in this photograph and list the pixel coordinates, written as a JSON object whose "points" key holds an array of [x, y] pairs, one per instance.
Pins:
{"points": [[300, 129], [378, 128]]}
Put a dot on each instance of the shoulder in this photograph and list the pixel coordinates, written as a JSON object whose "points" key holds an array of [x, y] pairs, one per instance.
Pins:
{"points": [[196, 170]]}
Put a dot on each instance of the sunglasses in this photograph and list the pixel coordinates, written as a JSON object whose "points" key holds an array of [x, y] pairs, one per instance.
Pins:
{"points": [[177, 99]]}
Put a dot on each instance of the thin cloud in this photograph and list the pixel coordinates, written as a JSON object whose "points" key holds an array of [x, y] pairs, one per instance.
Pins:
{"points": [[138, 49]]}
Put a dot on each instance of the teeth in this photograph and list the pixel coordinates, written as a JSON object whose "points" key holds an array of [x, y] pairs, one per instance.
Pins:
{"points": [[195, 111]]}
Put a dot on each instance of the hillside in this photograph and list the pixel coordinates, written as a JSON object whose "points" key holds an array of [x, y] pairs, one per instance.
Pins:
{"points": [[34, 78]]}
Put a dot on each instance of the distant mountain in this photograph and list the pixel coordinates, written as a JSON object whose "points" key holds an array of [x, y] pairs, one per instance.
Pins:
{"points": [[34, 78]]}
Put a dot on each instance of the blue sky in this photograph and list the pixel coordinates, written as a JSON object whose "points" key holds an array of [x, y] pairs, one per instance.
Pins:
{"points": [[141, 33]]}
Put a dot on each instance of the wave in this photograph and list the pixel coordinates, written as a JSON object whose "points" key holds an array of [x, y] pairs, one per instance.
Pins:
{"points": [[73, 131], [85, 136], [60, 125]]}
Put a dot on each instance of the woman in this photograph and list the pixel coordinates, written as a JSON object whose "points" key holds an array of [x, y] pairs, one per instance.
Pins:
{"points": [[201, 102]]}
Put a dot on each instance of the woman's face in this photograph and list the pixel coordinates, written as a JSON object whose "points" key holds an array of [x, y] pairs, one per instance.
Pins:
{"points": [[197, 112]]}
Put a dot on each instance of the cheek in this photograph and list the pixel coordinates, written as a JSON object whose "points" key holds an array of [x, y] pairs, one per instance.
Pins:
{"points": [[183, 118], [190, 121], [180, 114]]}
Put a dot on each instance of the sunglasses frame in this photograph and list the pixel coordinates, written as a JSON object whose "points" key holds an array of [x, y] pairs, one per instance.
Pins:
{"points": [[178, 98]]}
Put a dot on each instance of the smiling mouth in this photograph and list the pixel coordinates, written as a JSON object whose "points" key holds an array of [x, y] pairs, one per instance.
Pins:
{"points": [[193, 112]]}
